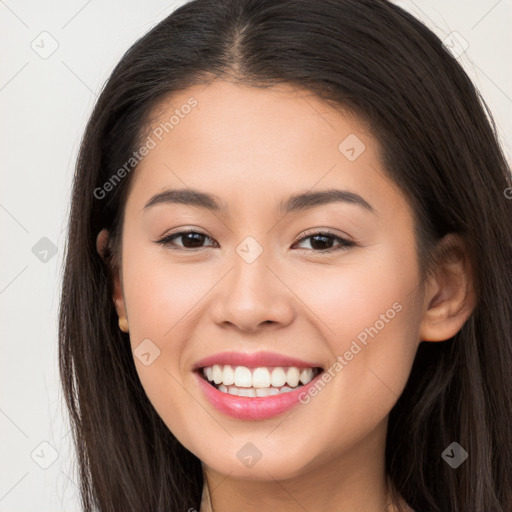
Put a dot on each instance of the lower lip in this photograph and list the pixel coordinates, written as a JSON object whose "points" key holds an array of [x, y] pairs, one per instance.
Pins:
{"points": [[252, 408]]}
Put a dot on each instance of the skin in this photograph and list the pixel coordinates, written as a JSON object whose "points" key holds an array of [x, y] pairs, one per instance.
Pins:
{"points": [[253, 148]]}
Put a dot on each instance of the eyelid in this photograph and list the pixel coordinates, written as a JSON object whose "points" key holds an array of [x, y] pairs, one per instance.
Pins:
{"points": [[323, 231]]}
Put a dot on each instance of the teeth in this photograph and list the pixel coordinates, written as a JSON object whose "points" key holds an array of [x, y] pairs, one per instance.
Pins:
{"points": [[247, 392], [253, 392], [228, 376], [278, 377], [260, 381], [306, 375], [217, 374], [293, 376], [261, 378], [243, 377]]}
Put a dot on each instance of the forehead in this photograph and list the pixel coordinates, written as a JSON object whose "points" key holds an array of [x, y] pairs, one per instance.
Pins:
{"points": [[246, 143], [261, 117]]}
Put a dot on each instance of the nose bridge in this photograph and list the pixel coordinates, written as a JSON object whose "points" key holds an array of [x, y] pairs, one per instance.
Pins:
{"points": [[252, 294], [250, 250], [250, 275]]}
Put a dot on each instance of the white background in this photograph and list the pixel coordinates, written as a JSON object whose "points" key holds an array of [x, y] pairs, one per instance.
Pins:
{"points": [[44, 106]]}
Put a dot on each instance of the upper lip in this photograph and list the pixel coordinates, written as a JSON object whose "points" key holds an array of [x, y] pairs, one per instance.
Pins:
{"points": [[254, 360]]}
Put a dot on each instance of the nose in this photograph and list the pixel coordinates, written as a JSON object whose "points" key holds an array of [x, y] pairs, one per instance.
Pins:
{"points": [[253, 295]]}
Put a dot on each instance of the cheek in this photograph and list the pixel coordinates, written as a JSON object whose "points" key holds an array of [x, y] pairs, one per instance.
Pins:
{"points": [[161, 301], [353, 294], [373, 357], [160, 295], [369, 316], [161, 307]]}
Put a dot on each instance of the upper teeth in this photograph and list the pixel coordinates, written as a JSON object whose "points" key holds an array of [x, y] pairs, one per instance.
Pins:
{"points": [[261, 377]]}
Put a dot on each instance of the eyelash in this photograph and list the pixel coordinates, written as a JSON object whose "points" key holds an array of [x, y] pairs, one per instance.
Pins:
{"points": [[344, 243]]}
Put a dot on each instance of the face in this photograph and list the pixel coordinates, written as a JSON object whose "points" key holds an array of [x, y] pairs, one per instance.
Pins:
{"points": [[329, 284]]}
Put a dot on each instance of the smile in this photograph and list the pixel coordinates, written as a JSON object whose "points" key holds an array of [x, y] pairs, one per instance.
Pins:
{"points": [[254, 386], [257, 382]]}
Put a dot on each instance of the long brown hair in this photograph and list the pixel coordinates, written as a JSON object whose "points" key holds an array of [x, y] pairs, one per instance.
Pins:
{"points": [[439, 145]]}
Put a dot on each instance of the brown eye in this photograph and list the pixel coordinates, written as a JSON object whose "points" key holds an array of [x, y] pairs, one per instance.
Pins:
{"points": [[323, 242], [190, 240]]}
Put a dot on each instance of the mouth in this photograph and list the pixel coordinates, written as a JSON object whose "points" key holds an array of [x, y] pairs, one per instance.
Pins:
{"points": [[254, 382]]}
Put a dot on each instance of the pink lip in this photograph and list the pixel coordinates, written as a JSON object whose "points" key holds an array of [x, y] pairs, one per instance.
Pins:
{"points": [[249, 408], [254, 360]]}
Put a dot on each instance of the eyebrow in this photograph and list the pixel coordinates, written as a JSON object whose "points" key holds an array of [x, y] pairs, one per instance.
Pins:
{"points": [[294, 203]]}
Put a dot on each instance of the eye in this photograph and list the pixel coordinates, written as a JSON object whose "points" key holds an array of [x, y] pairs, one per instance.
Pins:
{"points": [[191, 240], [321, 241]]}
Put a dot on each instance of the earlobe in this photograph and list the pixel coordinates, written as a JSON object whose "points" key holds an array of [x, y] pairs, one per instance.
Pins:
{"points": [[117, 293], [450, 296]]}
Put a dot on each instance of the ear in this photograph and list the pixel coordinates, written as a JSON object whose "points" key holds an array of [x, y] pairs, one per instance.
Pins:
{"points": [[450, 297], [104, 250]]}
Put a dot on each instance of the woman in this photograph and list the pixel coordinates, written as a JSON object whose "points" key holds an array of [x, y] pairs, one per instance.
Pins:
{"points": [[288, 276]]}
